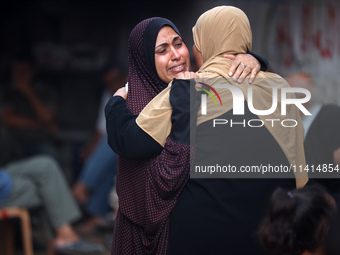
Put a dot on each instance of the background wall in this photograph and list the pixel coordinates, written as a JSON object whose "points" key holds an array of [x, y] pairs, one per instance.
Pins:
{"points": [[84, 35]]}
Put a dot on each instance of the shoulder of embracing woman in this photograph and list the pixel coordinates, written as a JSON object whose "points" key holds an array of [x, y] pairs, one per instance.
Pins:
{"points": [[155, 118]]}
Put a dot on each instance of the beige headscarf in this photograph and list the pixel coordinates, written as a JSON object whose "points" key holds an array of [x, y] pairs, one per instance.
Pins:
{"points": [[226, 30]]}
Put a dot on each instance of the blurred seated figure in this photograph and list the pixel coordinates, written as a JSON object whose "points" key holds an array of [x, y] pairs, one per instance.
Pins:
{"points": [[297, 221], [97, 175], [38, 182], [28, 122]]}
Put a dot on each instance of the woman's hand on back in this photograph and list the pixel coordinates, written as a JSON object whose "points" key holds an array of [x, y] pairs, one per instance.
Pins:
{"points": [[243, 65], [121, 92], [186, 75], [189, 75]]}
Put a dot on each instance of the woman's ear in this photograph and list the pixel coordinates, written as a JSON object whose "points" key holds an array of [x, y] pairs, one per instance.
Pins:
{"points": [[197, 55]]}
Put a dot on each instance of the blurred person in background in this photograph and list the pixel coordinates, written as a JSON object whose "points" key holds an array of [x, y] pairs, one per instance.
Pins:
{"points": [[297, 221], [28, 123], [38, 182], [96, 178]]}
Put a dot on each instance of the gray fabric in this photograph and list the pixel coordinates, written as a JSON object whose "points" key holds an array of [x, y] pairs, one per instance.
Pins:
{"points": [[38, 181]]}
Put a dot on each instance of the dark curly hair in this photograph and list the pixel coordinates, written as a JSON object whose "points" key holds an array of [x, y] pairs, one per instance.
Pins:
{"points": [[297, 220]]}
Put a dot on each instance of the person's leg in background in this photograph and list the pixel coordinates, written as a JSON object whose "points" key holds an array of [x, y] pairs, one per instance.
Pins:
{"points": [[38, 181], [98, 204], [95, 183]]}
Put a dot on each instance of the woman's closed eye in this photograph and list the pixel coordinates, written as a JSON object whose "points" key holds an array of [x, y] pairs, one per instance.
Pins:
{"points": [[161, 51], [178, 42], [178, 45]]}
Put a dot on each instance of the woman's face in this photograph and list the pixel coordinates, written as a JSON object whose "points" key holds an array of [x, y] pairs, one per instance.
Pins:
{"points": [[171, 54]]}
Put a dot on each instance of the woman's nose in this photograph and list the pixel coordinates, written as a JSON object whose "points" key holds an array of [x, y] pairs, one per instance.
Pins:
{"points": [[175, 55]]}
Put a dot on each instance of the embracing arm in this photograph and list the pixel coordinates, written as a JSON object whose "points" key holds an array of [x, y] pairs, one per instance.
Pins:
{"points": [[125, 137], [129, 140]]}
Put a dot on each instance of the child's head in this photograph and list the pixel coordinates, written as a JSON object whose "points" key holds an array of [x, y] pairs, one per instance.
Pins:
{"points": [[297, 220]]}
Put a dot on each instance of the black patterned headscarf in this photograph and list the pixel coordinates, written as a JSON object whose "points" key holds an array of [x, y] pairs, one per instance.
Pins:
{"points": [[144, 83], [147, 189]]}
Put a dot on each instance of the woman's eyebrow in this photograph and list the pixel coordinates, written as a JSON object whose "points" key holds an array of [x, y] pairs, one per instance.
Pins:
{"points": [[175, 38], [162, 44], [166, 44]]}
